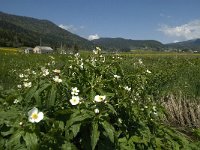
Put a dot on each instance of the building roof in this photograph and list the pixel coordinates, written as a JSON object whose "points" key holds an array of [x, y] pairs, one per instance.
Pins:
{"points": [[44, 48]]}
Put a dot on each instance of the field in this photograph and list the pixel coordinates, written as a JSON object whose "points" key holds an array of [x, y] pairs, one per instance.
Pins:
{"points": [[138, 100]]}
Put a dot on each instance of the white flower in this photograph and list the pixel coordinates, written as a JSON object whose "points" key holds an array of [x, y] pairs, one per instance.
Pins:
{"points": [[45, 72], [56, 71], [19, 86], [73, 74], [96, 110], [53, 62], [21, 123], [95, 52], [120, 120], [74, 91], [26, 75], [33, 72], [74, 100], [116, 76], [35, 116], [140, 61], [21, 75], [127, 88], [51, 57], [70, 67], [98, 48], [104, 59], [56, 79], [28, 70], [16, 101], [77, 55], [81, 65], [148, 71], [154, 108], [27, 84], [155, 113], [99, 98], [25, 79]]}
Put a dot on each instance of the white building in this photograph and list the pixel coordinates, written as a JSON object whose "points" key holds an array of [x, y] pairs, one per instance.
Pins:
{"points": [[42, 49], [28, 50]]}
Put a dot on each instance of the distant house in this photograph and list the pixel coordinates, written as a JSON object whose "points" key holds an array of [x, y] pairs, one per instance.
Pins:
{"points": [[42, 49], [28, 50]]}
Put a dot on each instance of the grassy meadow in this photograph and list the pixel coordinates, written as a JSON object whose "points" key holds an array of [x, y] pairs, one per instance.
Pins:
{"points": [[147, 100]]}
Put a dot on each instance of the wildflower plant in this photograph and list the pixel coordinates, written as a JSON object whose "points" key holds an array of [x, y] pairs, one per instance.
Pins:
{"points": [[85, 104]]}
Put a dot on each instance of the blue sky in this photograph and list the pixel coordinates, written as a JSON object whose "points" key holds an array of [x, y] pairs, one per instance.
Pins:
{"points": [[162, 20]]}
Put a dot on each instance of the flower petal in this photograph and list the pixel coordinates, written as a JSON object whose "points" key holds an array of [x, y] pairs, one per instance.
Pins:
{"points": [[34, 110], [40, 117], [30, 119]]}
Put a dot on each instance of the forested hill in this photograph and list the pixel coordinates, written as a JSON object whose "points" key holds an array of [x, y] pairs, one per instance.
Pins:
{"points": [[17, 31], [120, 44], [193, 45]]}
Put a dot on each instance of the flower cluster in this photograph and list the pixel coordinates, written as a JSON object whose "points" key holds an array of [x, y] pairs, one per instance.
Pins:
{"points": [[56, 71], [45, 71], [97, 50], [25, 81], [74, 91], [75, 98], [57, 79]]}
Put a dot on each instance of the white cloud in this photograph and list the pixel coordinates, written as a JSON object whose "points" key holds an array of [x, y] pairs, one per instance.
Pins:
{"points": [[93, 37], [70, 28], [175, 41], [186, 31]]}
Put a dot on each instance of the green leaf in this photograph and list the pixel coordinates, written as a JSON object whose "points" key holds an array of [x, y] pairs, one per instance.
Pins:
{"points": [[75, 129], [94, 135], [125, 145], [158, 143], [92, 94], [61, 125], [2, 142], [30, 94], [136, 139], [38, 92], [14, 141], [9, 115], [7, 132], [109, 130], [37, 99], [31, 141], [77, 118], [68, 146], [52, 96], [111, 108], [43, 87]]}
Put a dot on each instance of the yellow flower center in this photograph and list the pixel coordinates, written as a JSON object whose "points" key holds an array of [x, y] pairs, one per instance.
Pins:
{"points": [[34, 116]]}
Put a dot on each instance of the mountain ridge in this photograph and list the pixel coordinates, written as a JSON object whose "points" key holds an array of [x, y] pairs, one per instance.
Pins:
{"points": [[193, 45], [14, 30], [121, 44], [20, 31]]}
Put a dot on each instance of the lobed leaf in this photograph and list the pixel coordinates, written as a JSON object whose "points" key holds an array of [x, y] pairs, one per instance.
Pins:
{"points": [[94, 135], [109, 130]]}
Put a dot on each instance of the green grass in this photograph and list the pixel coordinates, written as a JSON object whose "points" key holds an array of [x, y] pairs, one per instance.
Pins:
{"points": [[176, 71]]}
